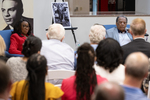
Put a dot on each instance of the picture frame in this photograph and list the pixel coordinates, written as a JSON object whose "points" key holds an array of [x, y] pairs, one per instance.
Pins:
{"points": [[60, 13]]}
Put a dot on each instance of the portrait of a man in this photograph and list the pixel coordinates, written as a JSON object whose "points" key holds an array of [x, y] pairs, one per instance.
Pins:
{"points": [[12, 11]]}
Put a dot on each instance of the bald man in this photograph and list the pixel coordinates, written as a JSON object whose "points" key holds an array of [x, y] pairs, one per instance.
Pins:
{"points": [[136, 69], [108, 91]]}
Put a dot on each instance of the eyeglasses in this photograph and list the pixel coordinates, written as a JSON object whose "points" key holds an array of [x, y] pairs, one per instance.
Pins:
{"points": [[25, 26]]}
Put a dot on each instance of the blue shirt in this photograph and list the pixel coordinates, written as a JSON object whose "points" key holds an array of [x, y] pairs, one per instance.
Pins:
{"points": [[132, 93]]}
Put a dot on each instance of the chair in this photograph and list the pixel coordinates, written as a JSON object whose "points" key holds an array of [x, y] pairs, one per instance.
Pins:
{"points": [[6, 36], [128, 26], [59, 74]]}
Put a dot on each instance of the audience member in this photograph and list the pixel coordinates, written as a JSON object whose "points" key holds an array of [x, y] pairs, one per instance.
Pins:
{"points": [[2, 49], [12, 11], [136, 69], [17, 65], [22, 29], [108, 91], [82, 84], [34, 87], [138, 30], [58, 54], [97, 33], [5, 81], [120, 32], [109, 58]]}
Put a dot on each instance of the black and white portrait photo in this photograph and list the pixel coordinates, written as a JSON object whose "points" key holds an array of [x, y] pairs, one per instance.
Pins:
{"points": [[60, 12], [12, 11]]}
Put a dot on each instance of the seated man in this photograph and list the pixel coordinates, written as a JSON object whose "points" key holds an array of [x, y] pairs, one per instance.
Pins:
{"points": [[108, 91], [59, 55], [138, 31], [97, 33], [120, 32], [5, 81], [136, 69]]}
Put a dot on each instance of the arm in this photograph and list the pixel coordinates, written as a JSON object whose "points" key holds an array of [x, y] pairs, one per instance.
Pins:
{"points": [[13, 49]]}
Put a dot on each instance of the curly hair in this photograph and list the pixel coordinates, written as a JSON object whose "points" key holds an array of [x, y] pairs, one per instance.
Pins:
{"points": [[17, 28], [85, 74], [31, 45], [109, 54], [37, 69]]}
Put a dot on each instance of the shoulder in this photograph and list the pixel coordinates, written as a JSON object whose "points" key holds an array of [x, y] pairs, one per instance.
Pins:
{"points": [[53, 91], [101, 79], [112, 29], [13, 61]]}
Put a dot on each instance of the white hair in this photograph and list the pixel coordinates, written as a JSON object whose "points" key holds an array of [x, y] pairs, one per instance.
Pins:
{"points": [[97, 33], [56, 31]]}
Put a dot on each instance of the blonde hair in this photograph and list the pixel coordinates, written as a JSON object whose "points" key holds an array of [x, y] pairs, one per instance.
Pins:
{"points": [[97, 33], [138, 26], [56, 31], [2, 46]]}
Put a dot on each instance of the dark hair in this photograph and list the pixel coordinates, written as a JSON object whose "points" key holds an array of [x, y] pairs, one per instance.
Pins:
{"points": [[19, 5], [17, 28], [31, 45], [121, 16], [37, 69], [4, 76], [85, 74], [109, 54]]}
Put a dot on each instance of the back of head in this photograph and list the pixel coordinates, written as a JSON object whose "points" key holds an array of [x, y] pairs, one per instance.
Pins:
{"points": [[108, 91], [56, 31], [136, 65], [37, 69], [31, 46], [85, 73], [138, 26], [2, 46], [4, 77], [109, 54], [97, 33]]}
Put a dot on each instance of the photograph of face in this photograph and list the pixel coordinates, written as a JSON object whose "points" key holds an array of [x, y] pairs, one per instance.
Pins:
{"points": [[61, 13], [12, 12]]}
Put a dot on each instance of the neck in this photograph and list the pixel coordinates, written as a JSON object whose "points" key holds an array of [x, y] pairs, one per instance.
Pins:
{"points": [[137, 36], [93, 43], [133, 82], [24, 58]]}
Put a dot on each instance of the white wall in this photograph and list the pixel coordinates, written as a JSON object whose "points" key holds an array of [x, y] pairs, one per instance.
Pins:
{"points": [[142, 6], [43, 18]]}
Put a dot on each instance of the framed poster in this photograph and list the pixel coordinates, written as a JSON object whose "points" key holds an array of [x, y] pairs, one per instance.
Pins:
{"points": [[60, 13]]}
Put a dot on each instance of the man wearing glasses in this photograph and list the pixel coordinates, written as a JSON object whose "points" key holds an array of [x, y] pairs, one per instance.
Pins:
{"points": [[120, 33]]}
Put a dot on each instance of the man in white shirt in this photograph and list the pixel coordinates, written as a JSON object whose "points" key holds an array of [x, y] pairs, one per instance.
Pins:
{"points": [[59, 55]]}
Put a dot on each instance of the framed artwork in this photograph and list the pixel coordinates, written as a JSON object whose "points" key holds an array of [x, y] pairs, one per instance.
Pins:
{"points": [[60, 13]]}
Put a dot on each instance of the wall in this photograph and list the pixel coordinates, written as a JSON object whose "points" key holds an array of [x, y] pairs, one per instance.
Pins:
{"points": [[142, 6], [43, 18]]}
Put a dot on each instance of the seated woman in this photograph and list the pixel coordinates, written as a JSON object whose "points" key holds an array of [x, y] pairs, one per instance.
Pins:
{"points": [[17, 65], [109, 58], [35, 87], [2, 49], [22, 30], [81, 85]]}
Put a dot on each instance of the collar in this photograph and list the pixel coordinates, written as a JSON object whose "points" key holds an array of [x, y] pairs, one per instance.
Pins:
{"points": [[122, 32], [139, 38], [132, 89]]}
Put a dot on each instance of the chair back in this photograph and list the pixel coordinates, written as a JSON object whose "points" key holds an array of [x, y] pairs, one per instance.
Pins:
{"points": [[59, 74]]}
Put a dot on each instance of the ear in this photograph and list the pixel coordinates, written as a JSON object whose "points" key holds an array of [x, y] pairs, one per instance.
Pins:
{"points": [[47, 36], [95, 58], [146, 75], [145, 31], [104, 38], [38, 52], [62, 38], [9, 86]]}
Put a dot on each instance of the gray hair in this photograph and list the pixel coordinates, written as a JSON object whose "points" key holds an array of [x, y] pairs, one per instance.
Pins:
{"points": [[56, 31], [97, 33]]}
